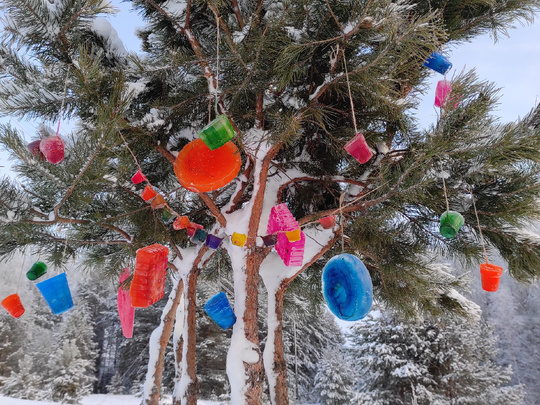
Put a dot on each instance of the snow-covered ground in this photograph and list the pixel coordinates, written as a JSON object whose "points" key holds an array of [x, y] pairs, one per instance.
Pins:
{"points": [[99, 399]]}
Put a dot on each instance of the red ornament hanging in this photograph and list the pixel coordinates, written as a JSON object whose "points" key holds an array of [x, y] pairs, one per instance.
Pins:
{"points": [[200, 169], [13, 305], [328, 222], [158, 202], [181, 223], [33, 148], [126, 312], [148, 285], [148, 193], [138, 177], [359, 149], [53, 149]]}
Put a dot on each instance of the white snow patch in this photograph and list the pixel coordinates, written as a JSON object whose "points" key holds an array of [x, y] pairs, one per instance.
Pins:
{"points": [[104, 29]]}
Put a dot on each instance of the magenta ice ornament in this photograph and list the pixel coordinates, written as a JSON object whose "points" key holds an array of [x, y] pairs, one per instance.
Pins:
{"points": [[281, 220]]}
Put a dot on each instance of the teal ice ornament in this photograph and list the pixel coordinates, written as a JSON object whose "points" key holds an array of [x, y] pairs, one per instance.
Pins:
{"points": [[219, 309], [56, 292], [347, 287]]}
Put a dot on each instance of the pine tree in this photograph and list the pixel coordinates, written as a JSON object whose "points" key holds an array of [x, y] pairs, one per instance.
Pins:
{"points": [[428, 363], [333, 381], [25, 382], [69, 381], [282, 78]]}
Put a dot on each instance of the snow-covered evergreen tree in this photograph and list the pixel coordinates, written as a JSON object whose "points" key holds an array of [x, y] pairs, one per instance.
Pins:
{"points": [[426, 363], [12, 337], [27, 381], [280, 72], [334, 378], [69, 380]]}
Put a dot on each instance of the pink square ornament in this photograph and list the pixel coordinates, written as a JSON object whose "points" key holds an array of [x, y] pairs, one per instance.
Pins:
{"points": [[442, 93], [359, 149], [281, 220]]}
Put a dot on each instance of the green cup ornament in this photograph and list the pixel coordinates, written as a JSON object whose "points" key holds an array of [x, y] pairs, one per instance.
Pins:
{"points": [[217, 133], [451, 221]]}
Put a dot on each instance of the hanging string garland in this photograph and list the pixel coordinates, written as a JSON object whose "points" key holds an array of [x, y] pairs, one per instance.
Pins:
{"points": [[450, 221]]}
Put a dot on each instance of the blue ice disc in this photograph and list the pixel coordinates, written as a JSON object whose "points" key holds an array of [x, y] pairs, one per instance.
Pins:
{"points": [[347, 287]]}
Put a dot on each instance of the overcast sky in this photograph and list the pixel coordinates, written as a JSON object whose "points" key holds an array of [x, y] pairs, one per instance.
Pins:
{"points": [[512, 63]]}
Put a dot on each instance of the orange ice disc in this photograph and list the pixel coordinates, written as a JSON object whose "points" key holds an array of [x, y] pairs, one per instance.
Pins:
{"points": [[200, 169]]}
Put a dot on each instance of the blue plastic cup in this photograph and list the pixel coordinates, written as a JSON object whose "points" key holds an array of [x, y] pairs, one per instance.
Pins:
{"points": [[438, 63], [56, 292], [219, 309]]}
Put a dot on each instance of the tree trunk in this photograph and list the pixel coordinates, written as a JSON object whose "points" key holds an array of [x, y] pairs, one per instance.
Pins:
{"points": [[178, 344], [188, 381], [274, 356], [244, 360], [160, 337]]}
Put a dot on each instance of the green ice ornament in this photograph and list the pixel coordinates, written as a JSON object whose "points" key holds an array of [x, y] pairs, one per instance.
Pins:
{"points": [[217, 133], [451, 222]]}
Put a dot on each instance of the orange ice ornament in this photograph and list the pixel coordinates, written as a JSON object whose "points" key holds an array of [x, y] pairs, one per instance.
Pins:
{"points": [[200, 169], [148, 284]]}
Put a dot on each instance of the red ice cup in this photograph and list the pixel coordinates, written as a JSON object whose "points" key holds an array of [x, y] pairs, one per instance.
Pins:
{"points": [[491, 275], [13, 305]]}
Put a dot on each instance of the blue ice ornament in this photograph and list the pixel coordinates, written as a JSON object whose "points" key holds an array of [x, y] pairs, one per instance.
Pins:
{"points": [[438, 63], [219, 309], [347, 287], [56, 292]]}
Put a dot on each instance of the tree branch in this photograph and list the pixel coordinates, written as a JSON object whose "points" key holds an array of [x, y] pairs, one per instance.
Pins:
{"points": [[213, 209]]}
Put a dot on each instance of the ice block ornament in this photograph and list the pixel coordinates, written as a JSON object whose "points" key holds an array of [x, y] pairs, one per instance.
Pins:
{"points": [[347, 287], [451, 222], [443, 90], [281, 222], [33, 148], [328, 222], [138, 177], [148, 284], [238, 239], [52, 148], [181, 223], [219, 309], [13, 305], [359, 149], [148, 193], [36, 271], [200, 169], [213, 241], [126, 312], [491, 276], [438, 62], [56, 292], [217, 133]]}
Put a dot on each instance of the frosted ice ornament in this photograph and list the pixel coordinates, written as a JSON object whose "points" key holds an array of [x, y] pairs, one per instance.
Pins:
{"points": [[126, 311], [438, 62], [33, 148], [200, 169], [359, 149], [221, 312], [148, 193], [56, 292], [213, 241], [328, 222], [181, 223], [158, 202], [148, 284], [138, 177], [491, 276], [52, 148], [199, 236], [13, 305], [450, 223], [192, 228], [36, 271], [281, 221], [238, 239], [217, 133], [347, 287]]}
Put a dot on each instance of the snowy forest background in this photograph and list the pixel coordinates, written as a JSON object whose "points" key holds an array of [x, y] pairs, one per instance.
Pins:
{"points": [[493, 351], [65, 358]]}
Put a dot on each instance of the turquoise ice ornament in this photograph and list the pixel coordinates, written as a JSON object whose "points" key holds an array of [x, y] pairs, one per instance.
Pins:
{"points": [[347, 287]]}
